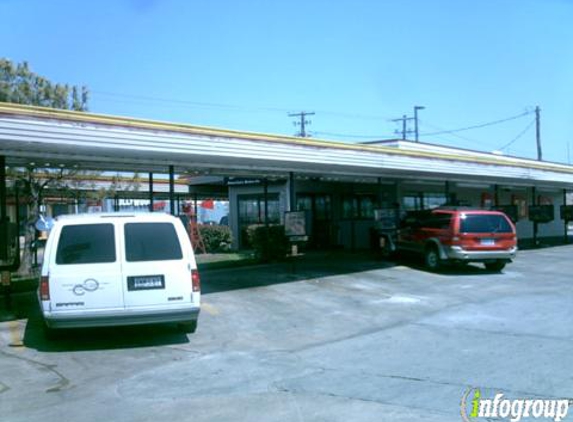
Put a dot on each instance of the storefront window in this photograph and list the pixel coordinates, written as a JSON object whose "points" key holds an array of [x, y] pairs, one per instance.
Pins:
{"points": [[349, 207], [358, 206], [434, 200], [252, 209], [414, 202], [319, 205], [322, 207], [366, 205], [304, 203]]}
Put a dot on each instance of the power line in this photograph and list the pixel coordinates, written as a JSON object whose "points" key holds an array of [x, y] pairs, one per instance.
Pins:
{"points": [[197, 104], [479, 126], [518, 136], [472, 142], [446, 132]]}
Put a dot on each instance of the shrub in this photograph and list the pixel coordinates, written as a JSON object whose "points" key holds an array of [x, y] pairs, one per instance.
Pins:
{"points": [[216, 238], [269, 243]]}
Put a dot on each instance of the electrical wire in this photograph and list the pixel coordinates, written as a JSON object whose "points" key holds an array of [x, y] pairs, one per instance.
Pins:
{"points": [[518, 136], [479, 126], [196, 104]]}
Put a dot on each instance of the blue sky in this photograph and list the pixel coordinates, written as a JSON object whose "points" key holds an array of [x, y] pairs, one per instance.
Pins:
{"points": [[356, 63]]}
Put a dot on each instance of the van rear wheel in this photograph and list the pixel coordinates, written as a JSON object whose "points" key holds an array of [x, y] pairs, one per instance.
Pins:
{"points": [[188, 327]]}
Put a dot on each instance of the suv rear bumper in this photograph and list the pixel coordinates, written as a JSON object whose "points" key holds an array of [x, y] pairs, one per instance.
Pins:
{"points": [[110, 319], [459, 254]]}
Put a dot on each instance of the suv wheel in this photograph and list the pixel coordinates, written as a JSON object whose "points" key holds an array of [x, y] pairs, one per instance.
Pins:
{"points": [[495, 266], [432, 258]]}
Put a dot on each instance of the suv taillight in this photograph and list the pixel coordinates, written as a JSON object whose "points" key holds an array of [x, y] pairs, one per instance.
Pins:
{"points": [[45, 288], [195, 280]]}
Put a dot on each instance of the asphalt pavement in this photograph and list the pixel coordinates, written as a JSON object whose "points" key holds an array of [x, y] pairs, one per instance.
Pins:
{"points": [[330, 337]]}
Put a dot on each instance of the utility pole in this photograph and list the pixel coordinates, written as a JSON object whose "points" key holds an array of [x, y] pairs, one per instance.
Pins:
{"points": [[416, 108], [538, 133], [405, 131], [302, 123]]}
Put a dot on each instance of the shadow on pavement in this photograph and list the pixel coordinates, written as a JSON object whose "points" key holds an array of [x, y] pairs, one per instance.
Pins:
{"points": [[24, 306], [474, 269], [303, 267], [315, 265], [108, 338]]}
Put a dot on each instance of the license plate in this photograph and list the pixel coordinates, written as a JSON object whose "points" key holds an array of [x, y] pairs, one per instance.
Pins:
{"points": [[145, 282], [487, 242]]}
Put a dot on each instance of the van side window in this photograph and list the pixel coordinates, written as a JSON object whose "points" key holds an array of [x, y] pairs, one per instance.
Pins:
{"points": [[86, 244], [151, 242]]}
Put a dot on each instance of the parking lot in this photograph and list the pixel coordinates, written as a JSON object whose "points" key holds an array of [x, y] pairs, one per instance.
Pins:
{"points": [[333, 337]]}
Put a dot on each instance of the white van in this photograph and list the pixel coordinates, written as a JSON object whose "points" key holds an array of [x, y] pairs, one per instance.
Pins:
{"points": [[119, 269]]}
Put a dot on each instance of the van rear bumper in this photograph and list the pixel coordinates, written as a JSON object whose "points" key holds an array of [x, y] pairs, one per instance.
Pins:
{"points": [[111, 319]]}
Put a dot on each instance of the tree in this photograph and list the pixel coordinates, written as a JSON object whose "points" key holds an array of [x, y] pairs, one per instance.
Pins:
{"points": [[32, 183], [18, 84]]}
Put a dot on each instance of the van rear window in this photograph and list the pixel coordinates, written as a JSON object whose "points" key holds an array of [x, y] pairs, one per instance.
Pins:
{"points": [[151, 242], [484, 223], [86, 244]]}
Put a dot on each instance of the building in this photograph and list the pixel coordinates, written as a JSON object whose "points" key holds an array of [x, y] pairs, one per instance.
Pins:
{"points": [[339, 186]]}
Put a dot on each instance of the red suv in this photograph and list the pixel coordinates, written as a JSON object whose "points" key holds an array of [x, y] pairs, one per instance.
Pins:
{"points": [[459, 236]]}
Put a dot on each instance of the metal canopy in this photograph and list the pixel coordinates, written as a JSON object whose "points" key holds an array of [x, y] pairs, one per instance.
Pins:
{"points": [[52, 138]]}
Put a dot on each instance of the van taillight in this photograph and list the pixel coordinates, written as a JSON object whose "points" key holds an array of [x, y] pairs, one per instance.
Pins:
{"points": [[195, 280], [45, 288]]}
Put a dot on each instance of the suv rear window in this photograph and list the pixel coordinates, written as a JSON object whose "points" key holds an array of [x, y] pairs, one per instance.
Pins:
{"points": [[86, 244], [151, 242], [484, 223]]}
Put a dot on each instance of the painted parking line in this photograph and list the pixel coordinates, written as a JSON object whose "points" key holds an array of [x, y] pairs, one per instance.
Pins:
{"points": [[210, 309]]}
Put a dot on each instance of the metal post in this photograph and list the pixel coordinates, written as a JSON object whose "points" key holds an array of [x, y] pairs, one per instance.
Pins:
{"points": [[380, 193], [447, 192], [195, 205], [496, 195], [353, 218], [150, 192], [538, 132], [565, 222], [2, 189], [171, 190], [266, 200], [416, 108], [291, 192], [3, 220], [534, 202]]}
